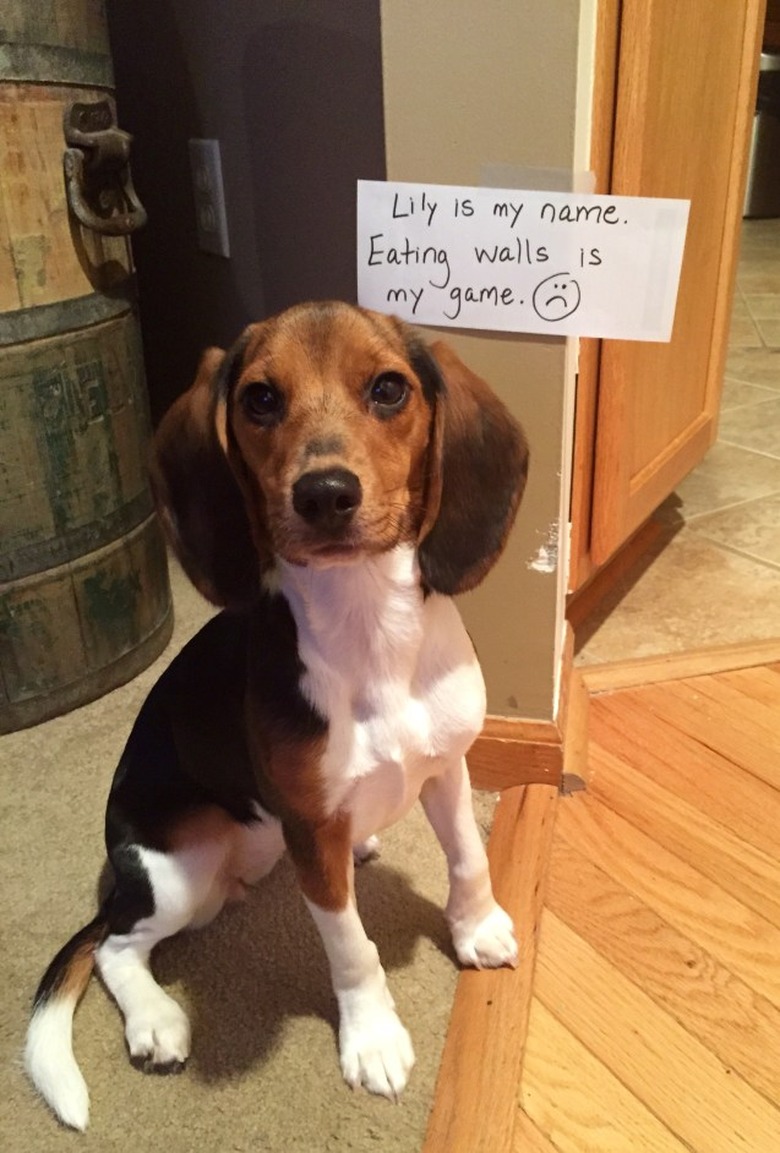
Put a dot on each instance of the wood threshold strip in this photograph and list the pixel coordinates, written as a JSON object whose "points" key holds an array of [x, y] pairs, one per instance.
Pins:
{"points": [[616, 675], [476, 1105]]}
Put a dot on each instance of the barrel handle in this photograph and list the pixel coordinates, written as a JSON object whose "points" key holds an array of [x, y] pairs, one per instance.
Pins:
{"points": [[97, 171]]}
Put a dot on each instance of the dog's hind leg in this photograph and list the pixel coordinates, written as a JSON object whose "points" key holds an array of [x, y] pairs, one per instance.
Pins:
{"points": [[212, 858], [157, 895]]}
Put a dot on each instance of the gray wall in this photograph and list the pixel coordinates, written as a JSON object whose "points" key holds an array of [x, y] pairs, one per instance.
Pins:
{"points": [[469, 87], [292, 89]]}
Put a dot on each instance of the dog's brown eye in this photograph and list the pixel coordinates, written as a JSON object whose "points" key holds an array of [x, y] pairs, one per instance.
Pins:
{"points": [[388, 393], [262, 403]]}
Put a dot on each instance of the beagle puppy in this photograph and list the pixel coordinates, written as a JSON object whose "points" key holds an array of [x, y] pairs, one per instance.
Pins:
{"points": [[331, 482]]}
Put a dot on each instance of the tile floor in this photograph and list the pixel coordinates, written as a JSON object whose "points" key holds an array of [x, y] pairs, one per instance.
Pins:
{"points": [[714, 576]]}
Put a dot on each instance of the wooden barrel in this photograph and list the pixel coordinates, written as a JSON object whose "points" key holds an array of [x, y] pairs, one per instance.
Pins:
{"points": [[84, 594]]}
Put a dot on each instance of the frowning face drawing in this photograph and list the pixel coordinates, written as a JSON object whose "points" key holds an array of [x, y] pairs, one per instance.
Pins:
{"points": [[556, 297]]}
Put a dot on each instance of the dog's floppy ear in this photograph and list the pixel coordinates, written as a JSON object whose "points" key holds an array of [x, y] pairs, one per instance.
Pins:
{"points": [[478, 463], [199, 501]]}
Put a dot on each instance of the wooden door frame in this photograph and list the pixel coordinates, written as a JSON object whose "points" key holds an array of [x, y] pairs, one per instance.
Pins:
{"points": [[586, 404]]}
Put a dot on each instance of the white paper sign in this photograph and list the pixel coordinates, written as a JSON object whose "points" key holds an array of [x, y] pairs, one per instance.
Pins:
{"points": [[561, 263]]}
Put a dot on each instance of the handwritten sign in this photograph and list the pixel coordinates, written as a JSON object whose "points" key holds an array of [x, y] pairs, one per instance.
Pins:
{"points": [[561, 263]]}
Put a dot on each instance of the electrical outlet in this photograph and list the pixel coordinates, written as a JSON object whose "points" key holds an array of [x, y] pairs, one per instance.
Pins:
{"points": [[211, 217]]}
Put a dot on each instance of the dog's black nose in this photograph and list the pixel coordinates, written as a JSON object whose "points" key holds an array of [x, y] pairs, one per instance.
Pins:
{"points": [[327, 497]]}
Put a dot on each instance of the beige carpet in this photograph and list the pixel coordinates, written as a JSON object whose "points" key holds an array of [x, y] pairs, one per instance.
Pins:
{"points": [[264, 1073]]}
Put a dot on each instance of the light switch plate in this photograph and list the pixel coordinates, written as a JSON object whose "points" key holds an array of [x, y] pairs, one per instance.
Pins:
{"points": [[211, 217]]}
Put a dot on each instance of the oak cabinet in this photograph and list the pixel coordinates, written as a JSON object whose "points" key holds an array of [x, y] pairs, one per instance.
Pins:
{"points": [[673, 104]]}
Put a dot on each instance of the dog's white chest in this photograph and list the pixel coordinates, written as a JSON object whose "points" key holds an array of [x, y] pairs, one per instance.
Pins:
{"points": [[396, 730], [396, 678], [395, 749]]}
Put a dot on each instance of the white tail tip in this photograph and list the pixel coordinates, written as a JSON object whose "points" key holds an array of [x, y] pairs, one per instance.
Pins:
{"points": [[49, 1061]]}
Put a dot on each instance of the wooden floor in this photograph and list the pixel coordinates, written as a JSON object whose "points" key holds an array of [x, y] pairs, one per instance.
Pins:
{"points": [[655, 1016]]}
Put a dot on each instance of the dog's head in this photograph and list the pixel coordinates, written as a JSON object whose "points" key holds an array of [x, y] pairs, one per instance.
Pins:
{"points": [[329, 433]]}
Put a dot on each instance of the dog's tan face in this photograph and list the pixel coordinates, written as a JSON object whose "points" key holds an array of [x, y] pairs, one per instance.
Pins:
{"points": [[328, 434]]}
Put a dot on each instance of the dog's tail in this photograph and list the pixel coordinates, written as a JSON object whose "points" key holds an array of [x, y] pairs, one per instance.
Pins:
{"points": [[48, 1054]]}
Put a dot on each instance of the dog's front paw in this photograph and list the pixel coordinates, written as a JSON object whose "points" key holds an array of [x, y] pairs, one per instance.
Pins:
{"points": [[488, 943], [377, 1053], [159, 1039]]}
